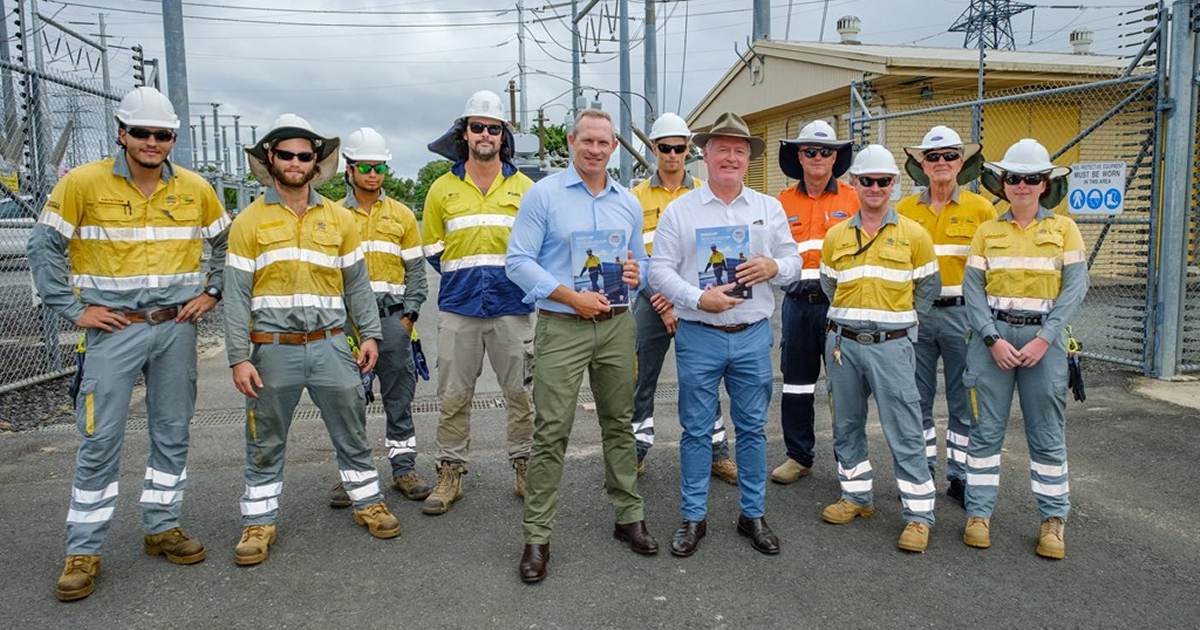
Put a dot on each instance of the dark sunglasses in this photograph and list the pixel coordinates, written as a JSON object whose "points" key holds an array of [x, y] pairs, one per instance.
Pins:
{"points": [[672, 148], [141, 133], [949, 156], [812, 153], [882, 182], [491, 129], [1013, 179], [288, 156], [382, 169]]}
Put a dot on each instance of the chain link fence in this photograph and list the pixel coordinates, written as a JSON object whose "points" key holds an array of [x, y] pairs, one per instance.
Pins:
{"points": [[1190, 352]]}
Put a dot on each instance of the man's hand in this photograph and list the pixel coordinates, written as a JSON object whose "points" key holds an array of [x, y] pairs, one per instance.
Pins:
{"points": [[757, 270], [196, 308], [1033, 351], [630, 272], [714, 300], [101, 317], [589, 304], [1005, 355], [246, 379], [669, 320], [368, 354]]}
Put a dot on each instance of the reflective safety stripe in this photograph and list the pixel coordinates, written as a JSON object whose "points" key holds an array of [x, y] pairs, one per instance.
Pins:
{"points": [[265, 491], [648, 237], [952, 290], [813, 245], [401, 447], [648, 423], [931, 450], [983, 462], [364, 492], [809, 273], [951, 250], [862, 468], [957, 455], [379, 286], [256, 508], [382, 247], [309, 256], [216, 227], [975, 479], [799, 389], [435, 249], [930, 434], [872, 315], [479, 260], [908, 487], [55, 222], [917, 505], [88, 497], [89, 413], [977, 262], [240, 262], [1072, 257], [89, 516], [957, 438], [856, 485], [1050, 489], [160, 478], [296, 301], [1049, 470], [480, 220], [928, 269], [1035, 263], [357, 476], [133, 283], [882, 273], [1001, 303], [644, 438], [102, 233], [412, 253], [161, 497], [718, 436]]}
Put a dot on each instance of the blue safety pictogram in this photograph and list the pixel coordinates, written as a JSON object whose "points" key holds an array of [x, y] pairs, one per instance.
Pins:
{"points": [[1077, 199], [1112, 199], [1095, 199]]}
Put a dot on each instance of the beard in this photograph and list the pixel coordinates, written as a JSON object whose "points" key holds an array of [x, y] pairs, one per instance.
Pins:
{"points": [[145, 164], [291, 180], [365, 187], [485, 155]]}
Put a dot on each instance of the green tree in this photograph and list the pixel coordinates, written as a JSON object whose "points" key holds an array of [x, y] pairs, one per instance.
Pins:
{"points": [[556, 140], [425, 178]]}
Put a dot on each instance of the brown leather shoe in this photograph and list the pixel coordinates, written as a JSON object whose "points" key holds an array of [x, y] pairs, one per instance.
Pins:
{"points": [[761, 537], [412, 486], [533, 563], [339, 498], [725, 470], [178, 547], [637, 537], [687, 538], [78, 578]]}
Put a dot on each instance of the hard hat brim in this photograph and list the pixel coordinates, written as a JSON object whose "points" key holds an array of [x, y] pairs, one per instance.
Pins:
{"points": [[972, 164], [327, 154], [789, 157], [1056, 188]]}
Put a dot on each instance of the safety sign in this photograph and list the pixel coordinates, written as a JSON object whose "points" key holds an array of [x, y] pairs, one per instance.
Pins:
{"points": [[1097, 188]]}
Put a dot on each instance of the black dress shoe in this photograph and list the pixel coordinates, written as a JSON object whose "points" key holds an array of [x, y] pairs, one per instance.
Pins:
{"points": [[637, 537], [958, 491], [760, 535], [533, 563], [687, 538]]}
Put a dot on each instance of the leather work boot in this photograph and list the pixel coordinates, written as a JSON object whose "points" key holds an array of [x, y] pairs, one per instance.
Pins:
{"points": [[1050, 539], [338, 498], [255, 545], [845, 511], [412, 486], [790, 471], [78, 578], [957, 491], [521, 468], [977, 533], [725, 470], [378, 520], [914, 538], [178, 547], [641, 467], [447, 491]]}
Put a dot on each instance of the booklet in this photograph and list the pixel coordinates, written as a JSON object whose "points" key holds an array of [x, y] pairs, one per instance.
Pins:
{"points": [[596, 258], [719, 250]]}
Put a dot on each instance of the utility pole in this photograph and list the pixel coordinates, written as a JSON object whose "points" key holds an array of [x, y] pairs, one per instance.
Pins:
{"points": [[106, 77], [575, 44], [203, 141], [237, 147], [512, 103], [762, 20], [225, 148], [541, 120], [177, 80], [521, 63], [626, 160], [193, 138], [216, 135], [253, 134], [650, 58]]}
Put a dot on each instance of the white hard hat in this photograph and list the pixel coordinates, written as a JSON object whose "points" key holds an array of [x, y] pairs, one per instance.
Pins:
{"points": [[1028, 156], [289, 126], [818, 132], [874, 159], [943, 137], [366, 145], [486, 104], [147, 107], [669, 126]]}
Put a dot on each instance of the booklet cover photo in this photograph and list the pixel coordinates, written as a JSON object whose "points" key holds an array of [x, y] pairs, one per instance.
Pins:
{"points": [[719, 250], [597, 257]]}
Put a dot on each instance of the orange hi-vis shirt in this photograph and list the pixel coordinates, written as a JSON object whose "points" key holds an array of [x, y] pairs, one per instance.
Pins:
{"points": [[811, 217]]}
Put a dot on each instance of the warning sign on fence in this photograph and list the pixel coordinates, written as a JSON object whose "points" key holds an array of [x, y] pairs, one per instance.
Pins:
{"points": [[11, 181], [1097, 188]]}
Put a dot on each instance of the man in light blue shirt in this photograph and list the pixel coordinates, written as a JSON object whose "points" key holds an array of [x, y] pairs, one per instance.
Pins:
{"points": [[577, 331]]}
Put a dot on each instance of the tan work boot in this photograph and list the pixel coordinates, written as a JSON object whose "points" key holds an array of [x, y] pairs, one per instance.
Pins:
{"points": [[725, 470], [521, 468], [178, 547], [914, 538], [1050, 539], [790, 471], [641, 467], [447, 491], [977, 533], [378, 520], [339, 498], [78, 578], [412, 486], [845, 511], [255, 545]]}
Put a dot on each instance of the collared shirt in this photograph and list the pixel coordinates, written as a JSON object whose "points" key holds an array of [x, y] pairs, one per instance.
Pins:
{"points": [[951, 230], [126, 250], [655, 198], [391, 244], [539, 251], [1038, 269], [676, 263], [809, 219], [289, 273], [883, 285]]}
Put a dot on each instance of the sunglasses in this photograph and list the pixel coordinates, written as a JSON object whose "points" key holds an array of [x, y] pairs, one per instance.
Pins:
{"points": [[491, 129], [882, 182], [1013, 179], [141, 133], [381, 169], [672, 148], [288, 156], [812, 153], [949, 156]]}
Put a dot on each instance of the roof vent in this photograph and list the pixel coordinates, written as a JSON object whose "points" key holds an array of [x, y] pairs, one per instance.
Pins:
{"points": [[848, 26], [1081, 41]]}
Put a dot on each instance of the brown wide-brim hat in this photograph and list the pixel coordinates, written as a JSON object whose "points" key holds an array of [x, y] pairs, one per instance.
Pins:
{"points": [[730, 125]]}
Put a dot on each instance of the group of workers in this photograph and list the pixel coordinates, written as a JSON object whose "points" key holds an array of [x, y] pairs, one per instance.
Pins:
{"points": [[319, 292]]}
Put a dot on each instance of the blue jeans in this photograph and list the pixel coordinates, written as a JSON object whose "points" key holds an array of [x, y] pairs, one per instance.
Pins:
{"points": [[704, 356]]}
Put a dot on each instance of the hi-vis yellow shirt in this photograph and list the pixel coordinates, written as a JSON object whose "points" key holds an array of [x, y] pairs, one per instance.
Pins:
{"points": [[884, 285], [654, 199], [951, 230], [390, 240], [127, 251]]}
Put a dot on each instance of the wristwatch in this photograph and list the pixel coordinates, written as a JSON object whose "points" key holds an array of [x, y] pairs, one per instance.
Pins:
{"points": [[990, 340], [213, 292], [412, 316]]}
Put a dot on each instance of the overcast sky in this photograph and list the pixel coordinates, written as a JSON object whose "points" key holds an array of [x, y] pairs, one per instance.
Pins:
{"points": [[408, 68]]}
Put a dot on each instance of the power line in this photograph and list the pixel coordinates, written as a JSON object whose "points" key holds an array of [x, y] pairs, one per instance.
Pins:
{"points": [[214, 5]]}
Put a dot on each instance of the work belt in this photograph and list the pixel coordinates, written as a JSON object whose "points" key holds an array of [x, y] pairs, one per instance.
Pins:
{"points": [[811, 297], [152, 316], [732, 328], [294, 338], [390, 310], [1018, 320], [943, 302], [867, 336], [600, 317]]}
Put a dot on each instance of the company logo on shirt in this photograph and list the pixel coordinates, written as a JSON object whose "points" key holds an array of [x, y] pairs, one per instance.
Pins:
{"points": [[838, 214]]}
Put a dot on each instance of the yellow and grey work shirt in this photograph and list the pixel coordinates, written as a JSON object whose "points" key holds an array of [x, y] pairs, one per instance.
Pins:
{"points": [[391, 243], [879, 282], [1040, 269], [951, 230], [127, 251], [654, 199], [289, 273]]}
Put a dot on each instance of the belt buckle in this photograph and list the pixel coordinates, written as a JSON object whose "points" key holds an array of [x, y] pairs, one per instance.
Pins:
{"points": [[865, 338], [152, 315]]}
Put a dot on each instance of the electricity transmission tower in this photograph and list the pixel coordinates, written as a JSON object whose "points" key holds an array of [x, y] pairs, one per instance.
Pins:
{"points": [[988, 24]]}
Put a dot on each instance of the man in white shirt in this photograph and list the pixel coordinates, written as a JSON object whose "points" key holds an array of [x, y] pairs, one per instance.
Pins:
{"points": [[723, 332]]}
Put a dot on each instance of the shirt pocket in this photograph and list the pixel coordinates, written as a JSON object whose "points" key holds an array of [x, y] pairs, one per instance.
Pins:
{"points": [[998, 244], [274, 233], [390, 230], [185, 213], [327, 238], [961, 231], [896, 254], [1048, 241], [107, 211]]}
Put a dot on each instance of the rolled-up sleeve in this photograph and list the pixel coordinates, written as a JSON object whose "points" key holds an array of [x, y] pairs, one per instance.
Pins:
{"points": [[524, 243], [667, 259]]}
